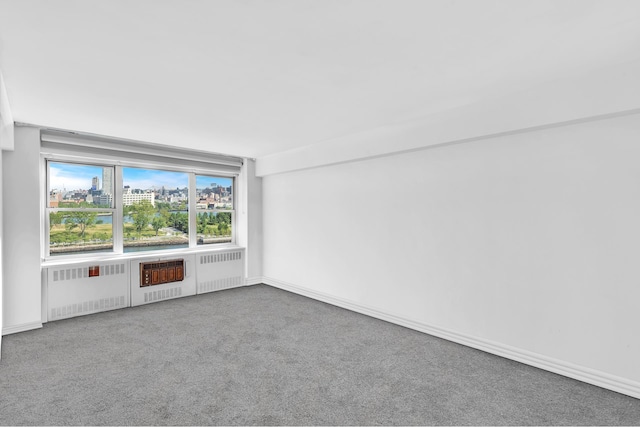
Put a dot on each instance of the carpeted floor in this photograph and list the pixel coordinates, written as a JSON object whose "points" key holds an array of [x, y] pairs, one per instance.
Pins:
{"points": [[259, 355]]}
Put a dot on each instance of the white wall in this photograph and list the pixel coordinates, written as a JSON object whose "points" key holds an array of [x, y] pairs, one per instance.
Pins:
{"points": [[6, 143], [524, 245], [1, 253], [21, 216], [254, 206]]}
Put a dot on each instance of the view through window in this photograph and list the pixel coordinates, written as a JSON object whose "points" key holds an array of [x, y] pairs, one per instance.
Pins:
{"points": [[214, 208], [153, 208], [80, 208]]}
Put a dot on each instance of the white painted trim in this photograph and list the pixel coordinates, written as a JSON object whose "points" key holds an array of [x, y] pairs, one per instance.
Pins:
{"points": [[250, 281], [21, 328], [74, 142], [567, 369]]}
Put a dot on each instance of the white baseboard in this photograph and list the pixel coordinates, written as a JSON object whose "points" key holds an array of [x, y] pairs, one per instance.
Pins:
{"points": [[567, 369], [253, 281], [21, 328]]}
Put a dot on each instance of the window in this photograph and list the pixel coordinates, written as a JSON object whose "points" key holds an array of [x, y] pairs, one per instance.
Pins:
{"points": [[150, 209], [214, 209], [155, 209], [80, 208]]}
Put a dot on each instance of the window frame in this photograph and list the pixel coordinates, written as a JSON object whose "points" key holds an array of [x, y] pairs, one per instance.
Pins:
{"points": [[117, 209], [48, 209], [234, 225]]}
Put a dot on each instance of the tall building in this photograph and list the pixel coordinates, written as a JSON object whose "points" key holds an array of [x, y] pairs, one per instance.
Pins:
{"points": [[95, 183], [107, 180]]}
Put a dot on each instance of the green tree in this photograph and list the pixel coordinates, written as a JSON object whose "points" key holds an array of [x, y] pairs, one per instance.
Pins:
{"points": [[163, 206], [141, 212], [212, 218], [81, 220], [182, 223], [223, 227], [224, 217], [173, 219], [55, 218], [203, 220], [157, 223], [164, 213]]}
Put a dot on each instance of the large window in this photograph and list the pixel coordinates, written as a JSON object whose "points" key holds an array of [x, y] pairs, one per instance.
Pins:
{"points": [[149, 210]]}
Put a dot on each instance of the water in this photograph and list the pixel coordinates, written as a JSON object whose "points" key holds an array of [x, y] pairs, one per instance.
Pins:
{"points": [[153, 248], [108, 218]]}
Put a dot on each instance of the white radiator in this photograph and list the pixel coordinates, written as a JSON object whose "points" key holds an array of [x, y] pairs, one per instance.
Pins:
{"points": [[220, 270], [78, 289], [91, 287], [145, 293]]}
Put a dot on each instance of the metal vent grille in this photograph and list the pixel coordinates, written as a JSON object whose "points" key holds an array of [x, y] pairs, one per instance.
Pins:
{"points": [[162, 294], [219, 284], [75, 273], [87, 307], [221, 257]]}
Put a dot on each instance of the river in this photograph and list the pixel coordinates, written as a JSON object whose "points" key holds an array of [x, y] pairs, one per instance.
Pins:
{"points": [[108, 218]]}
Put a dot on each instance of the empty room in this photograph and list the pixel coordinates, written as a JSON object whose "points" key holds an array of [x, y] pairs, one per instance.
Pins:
{"points": [[319, 212]]}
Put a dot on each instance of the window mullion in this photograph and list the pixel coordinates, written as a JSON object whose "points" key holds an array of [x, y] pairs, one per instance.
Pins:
{"points": [[193, 226], [118, 241], [46, 252]]}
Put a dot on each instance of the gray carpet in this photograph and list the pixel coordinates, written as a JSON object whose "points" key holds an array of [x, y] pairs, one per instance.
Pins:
{"points": [[259, 355]]}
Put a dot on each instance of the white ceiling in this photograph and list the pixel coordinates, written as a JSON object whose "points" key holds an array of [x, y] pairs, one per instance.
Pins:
{"points": [[257, 77]]}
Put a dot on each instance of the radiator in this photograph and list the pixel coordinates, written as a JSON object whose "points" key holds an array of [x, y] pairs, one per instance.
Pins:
{"points": [[151, 281], [91, 287], [220, 270], [78, 289]]}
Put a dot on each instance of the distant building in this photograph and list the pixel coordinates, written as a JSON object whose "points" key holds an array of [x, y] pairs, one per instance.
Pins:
{"points": [[129, 198], [55, 197], [95, 183], [103, 199], [107, 180]]}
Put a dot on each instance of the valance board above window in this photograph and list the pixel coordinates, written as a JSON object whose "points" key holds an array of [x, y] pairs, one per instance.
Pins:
{"points": [[90, 147]]}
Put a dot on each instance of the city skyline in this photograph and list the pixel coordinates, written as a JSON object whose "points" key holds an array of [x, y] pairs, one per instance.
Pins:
{"points": [[71, 177]]}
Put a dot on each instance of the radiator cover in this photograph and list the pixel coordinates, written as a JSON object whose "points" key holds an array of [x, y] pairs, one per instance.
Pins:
{"points": [[220, 270], [71, 291], [77, 289]]}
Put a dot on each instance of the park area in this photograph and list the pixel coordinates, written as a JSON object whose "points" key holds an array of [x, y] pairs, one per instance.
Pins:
{"points": [[145, 227]]}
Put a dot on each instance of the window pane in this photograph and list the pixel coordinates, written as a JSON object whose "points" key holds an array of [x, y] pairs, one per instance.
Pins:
{"points": [[74, 185], [72, 232], [214, 192], [155, 209], [214, 227]]}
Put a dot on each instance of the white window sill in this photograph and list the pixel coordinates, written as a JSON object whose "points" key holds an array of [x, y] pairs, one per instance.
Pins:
{"points": [[101, 257]]}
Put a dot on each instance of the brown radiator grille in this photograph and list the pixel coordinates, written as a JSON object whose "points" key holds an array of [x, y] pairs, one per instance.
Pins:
{"points": [[159, 272]]}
